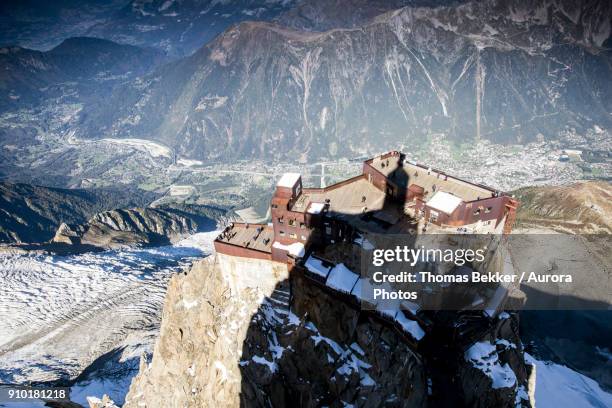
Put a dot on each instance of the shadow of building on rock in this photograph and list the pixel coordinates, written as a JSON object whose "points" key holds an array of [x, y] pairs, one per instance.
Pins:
{"points": [[304, 348]]}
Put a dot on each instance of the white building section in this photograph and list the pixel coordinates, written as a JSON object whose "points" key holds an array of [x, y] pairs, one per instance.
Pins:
{"points": [[316, 208], [296, 249], [445, 202], [288, 180]]}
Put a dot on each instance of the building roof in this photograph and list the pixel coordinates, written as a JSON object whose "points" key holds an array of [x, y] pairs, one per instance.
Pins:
{"points": [[432, 181], [386, 165], [445, 202], [288, 180], [252, 236], [343, 199]]}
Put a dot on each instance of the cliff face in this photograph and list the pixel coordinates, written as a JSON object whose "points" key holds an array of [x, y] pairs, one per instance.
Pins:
{"points": [[323, 353], [229, 338], [204, 323]]}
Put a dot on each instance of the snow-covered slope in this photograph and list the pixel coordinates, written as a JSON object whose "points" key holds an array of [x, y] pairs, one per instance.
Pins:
{"points": [[559, 386], [59, 314]]}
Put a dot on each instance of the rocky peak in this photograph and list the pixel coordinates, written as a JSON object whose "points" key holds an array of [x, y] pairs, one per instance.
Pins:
{"points": [[239, 331]]}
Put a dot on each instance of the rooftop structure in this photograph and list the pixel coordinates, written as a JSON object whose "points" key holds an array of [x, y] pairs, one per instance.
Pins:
{"points": [[248, 240], [345, 198], [288, 180], [391, 195], [445, 202], [321, 233]]}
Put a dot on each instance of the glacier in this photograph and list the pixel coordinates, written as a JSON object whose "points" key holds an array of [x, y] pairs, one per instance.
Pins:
{"points": [[98, 312]]}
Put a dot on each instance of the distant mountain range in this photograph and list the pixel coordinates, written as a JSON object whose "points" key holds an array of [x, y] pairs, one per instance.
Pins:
{"points": [[81, 67], [178, 27], [502, 70], [511, 71]]}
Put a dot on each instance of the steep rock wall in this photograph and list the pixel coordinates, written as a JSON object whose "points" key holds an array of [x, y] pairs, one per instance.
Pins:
{"points": [[229, 338]]}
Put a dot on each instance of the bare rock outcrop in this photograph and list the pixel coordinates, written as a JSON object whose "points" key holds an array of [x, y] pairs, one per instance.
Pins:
{"points": [[579, 208], [205, 320], [239, 332], [127, 227]]}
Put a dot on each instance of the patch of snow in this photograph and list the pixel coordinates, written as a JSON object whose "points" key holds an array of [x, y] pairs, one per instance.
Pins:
{"points": [[358, 349], [296, 249], [560, 386], [353, 364], [366, 380], [115, 387], [317, 338], [483, 356], [505, 343], [521, 395], [293, 319], [271, 365], [409, 326], [342, 279], [316, 266]]}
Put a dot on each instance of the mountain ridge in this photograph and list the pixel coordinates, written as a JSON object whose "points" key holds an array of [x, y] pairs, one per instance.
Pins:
{"points": [[400, 77], [77, 67], [33, 213]]}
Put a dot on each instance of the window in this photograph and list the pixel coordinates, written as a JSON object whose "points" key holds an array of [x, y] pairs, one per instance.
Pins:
{"points": [[281, 233], [302, 225], [328, 230], [274, 206], [291, 223], [433, 216], [280, 220], [477, 211], [488, 210], [303, 237], [292, 235]]}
